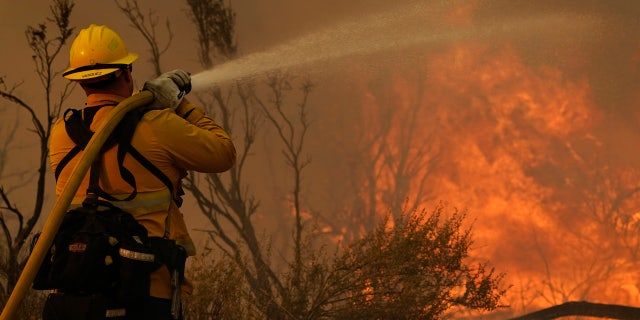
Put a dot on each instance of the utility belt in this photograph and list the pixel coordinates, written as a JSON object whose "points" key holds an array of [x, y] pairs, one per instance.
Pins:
{"points": [[102, 259]]}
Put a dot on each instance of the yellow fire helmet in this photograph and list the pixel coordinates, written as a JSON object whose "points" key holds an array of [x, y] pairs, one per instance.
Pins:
{"points": [[97, 51]]}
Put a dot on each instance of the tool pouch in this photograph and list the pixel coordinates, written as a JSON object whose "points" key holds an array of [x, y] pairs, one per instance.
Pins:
{"points": [[137, 262]]}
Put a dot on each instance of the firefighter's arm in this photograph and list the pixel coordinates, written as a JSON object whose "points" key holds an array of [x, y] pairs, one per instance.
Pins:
{"points": [[199, 143]]}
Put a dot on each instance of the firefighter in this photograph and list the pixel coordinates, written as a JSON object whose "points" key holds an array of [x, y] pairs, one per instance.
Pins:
{"points": [[175, 135]]}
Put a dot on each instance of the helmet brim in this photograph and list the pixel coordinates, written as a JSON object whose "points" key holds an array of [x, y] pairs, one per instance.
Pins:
{"points": [[87, 72]]}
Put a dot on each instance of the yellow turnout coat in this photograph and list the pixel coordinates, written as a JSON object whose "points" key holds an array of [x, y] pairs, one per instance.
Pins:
{"points": [[175, 142]]}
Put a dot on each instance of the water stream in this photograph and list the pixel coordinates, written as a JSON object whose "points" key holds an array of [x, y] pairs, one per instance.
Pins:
{"points": [[388, 33]]}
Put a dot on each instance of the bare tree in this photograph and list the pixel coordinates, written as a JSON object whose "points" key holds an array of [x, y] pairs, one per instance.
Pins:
{"points": [[46, 48], [229, 206], [292, 132]]}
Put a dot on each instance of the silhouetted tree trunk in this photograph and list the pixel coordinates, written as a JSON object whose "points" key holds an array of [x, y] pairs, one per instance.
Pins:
{"points": [[583, 308], [393, 157]]}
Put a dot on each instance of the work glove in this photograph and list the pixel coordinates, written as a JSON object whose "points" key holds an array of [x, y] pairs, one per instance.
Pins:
{"points": [[168, 89]]}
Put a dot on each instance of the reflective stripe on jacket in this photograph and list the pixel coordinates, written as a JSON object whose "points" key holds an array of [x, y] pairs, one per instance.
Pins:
{"points": [[173, 144]]}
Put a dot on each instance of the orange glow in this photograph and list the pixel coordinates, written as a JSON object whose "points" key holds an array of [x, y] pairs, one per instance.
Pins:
{"points": [[522, 148]]}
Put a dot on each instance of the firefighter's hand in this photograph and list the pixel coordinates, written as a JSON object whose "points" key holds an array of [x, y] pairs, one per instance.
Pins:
{"points": [[168, 89]]}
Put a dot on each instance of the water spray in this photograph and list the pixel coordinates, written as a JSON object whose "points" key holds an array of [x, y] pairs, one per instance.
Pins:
{"points": [[406, 27]]}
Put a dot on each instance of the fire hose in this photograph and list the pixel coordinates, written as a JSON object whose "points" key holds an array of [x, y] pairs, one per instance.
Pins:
{"points": [[63, 202]]}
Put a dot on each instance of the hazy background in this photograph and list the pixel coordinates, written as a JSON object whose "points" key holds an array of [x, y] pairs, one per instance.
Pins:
{"points": [[536, 103]]}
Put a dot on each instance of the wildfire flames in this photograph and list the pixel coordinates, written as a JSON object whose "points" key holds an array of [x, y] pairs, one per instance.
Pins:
{"points": [[511, 133], [531, 147]]}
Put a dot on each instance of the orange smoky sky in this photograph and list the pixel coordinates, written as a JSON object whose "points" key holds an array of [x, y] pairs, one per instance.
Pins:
{"points": [[530, 110]]}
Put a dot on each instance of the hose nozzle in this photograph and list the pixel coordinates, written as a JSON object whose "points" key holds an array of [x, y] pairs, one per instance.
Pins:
{"points": [[186, 88]]}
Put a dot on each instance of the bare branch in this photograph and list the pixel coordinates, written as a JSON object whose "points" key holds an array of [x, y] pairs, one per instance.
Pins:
{"points": [[146, 25]]}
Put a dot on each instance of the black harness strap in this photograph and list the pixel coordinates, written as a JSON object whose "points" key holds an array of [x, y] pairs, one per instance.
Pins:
{"points": [[78, 129], [155, 171], [65, 160]]}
